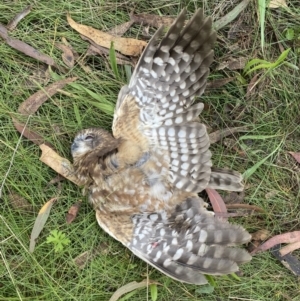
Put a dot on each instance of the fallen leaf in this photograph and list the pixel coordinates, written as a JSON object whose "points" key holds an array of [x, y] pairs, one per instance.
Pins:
{"points": [[289, 261], [290, 248], [61, 165], [261, 234], [290, 237], [216, 201], [31, 104], [233, 63], [18, 17], [152, 20], [296, 156], [82, 259], [119, 30], [40, 222], [244, 206], [234, 197], [97, 49], [277, 3], [29, 134], [25, 48], [130, 287], [217, 83], [73, 211], [67, 55], [19, 203], [126, 46], [218, 135]]}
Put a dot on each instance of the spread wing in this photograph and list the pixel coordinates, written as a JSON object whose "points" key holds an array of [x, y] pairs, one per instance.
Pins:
{"points": [[155, 110]]}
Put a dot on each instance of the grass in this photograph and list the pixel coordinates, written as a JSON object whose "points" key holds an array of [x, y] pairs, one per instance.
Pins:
{"points": [[273, 109]]}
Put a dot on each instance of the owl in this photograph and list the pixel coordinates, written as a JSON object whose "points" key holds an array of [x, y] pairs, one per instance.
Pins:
{"points": [[143, 179]]}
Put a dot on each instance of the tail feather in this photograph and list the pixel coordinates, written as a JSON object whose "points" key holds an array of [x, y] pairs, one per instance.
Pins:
{"points": [[189, 243], [225, 179]]}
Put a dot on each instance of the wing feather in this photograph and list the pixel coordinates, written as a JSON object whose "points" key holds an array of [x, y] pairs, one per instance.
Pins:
{"points": [[171, 72]]}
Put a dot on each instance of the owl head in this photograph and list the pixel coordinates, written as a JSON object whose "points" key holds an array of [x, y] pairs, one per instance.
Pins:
{"points": [[95, 141]]}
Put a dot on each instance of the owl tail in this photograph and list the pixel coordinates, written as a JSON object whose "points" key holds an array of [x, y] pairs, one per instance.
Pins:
{"points": [[225, 179], [189, 243]]}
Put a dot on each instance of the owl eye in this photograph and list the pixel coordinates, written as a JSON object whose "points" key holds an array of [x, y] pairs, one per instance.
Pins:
{"points": [[89, 138]]}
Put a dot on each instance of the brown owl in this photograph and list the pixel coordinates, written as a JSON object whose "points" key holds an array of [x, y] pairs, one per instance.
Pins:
{"points": [[144, 179]]}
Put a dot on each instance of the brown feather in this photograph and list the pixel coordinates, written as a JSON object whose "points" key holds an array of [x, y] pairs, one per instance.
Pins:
{"points": [[144, 180]]}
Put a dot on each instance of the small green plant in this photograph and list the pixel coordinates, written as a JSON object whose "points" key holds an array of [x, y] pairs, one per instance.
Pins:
{"points": [[58, 239], [257, 64]]}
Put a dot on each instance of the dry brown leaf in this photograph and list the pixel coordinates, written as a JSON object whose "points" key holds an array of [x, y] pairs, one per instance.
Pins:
{"points": [[18, 17], [126, 46], [234, 197], [290, 248], [152, 20], [29, 134], [40, 222], [290, 237], [61, 165], [244, 206], [216, 201], [119, 30], [233, 63], [261, 234], [95, 49], [73, 211], [218, 135], [219, 83], [296, 156], [277, 3], [31, 104], [67, 55], [289, 261], [129, 287], [25, 48], [19, 203]]}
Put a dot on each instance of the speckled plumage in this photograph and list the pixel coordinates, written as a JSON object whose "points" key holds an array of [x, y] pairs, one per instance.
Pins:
{"points": [[143, 181]]}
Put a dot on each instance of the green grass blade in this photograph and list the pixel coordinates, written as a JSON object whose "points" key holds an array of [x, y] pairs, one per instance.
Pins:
{"points": [[249, 172], [128, 72], [231, 15], [113, 60], [257, 137], [262, 16], [264, 64], [153, 292], [77, 115], [105, 107], [253, 62]]}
